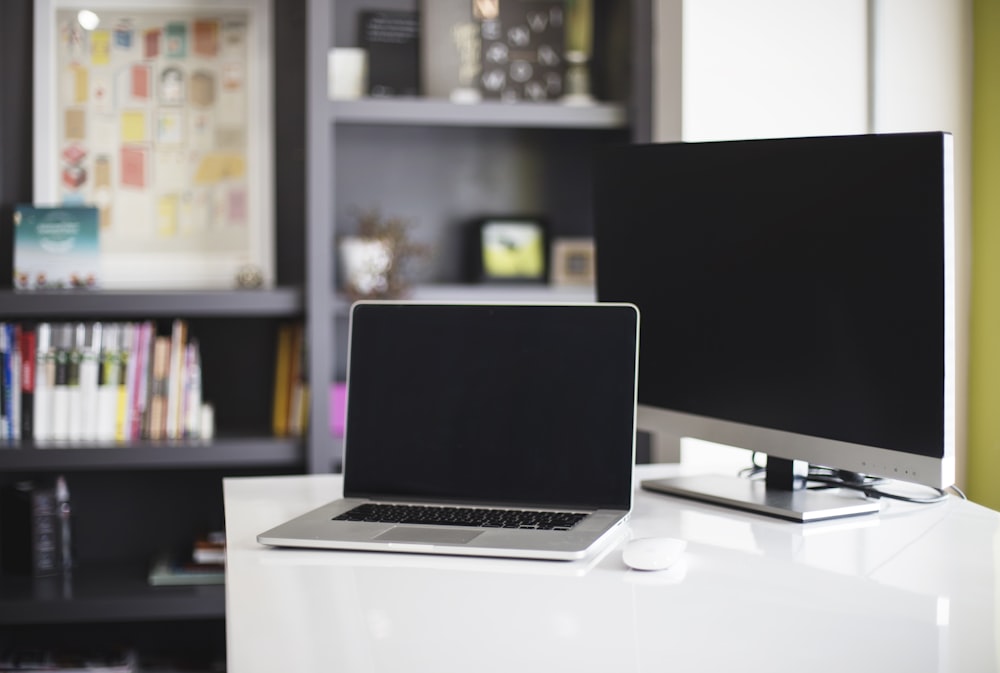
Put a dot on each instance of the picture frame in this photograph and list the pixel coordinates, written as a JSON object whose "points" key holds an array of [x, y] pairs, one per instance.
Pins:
{"points": [[511, 249], [160, 115], [574, 262]]}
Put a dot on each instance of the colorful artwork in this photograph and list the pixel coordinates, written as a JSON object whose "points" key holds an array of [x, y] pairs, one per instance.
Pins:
{"points": [[158, 125]]}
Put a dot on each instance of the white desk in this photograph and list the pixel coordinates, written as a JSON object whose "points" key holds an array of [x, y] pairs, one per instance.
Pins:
{"points": [[915, 589]]}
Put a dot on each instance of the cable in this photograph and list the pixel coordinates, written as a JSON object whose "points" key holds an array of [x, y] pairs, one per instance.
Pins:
{"points": [[828, 478]]}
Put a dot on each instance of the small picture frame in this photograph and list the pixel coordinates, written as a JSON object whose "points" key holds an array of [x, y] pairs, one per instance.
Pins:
{"points": [[573, 262], [509, 250]]}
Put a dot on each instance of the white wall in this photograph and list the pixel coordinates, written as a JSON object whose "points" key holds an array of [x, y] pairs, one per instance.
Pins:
{"points": [[729, 69], [768, 68], [922, 76]]}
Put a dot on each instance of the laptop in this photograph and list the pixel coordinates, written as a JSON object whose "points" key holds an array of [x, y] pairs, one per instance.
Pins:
{"points": [[483, 429]]}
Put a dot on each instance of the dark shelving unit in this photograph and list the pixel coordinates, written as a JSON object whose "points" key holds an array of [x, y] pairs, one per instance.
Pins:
{"points": [[133, 499]]}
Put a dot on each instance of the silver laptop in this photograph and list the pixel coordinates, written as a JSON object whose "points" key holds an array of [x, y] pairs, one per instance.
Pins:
{"points": [[484, 430]]}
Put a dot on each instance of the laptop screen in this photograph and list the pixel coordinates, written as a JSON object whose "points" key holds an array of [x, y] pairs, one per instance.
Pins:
{"points": [[530, 405]]}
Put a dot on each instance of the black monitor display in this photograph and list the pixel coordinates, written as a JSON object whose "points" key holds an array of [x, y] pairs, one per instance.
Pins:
{"points": [[797, 299]]}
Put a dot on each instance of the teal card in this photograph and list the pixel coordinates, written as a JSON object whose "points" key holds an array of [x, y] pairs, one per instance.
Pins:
{"points": [[56, 247]]}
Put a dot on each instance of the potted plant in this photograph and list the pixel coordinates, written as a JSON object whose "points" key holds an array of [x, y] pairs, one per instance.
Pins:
{"points": [[375, 260]]}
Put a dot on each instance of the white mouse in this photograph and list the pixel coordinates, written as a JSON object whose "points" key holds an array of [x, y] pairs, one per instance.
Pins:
{"points": [[652, 553]]}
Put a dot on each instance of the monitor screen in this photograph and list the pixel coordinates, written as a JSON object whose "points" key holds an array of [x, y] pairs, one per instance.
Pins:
{"points": [[797, 294]]}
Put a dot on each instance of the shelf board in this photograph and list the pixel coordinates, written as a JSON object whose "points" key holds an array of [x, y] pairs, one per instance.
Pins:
{"points": [[277, 302], [439, 112], [490, 293], [245, 452], [104, 593]]}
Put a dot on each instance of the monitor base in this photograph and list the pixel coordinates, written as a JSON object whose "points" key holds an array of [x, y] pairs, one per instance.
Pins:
{"points": [[801, 505]]}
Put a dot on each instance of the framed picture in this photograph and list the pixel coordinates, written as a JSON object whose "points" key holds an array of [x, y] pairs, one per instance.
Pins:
{"points": [[573, 261], [158, 112], [510, 249]]}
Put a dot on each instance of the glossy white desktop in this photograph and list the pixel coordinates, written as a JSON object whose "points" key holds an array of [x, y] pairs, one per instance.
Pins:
{"points": [[914, 589]]}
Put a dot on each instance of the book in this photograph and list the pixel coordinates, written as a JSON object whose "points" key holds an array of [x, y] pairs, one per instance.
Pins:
{"points": [[90, 366], [170, 569], [175, 378], [29, 354], [125, 370], [15, 381], [139, 381], [29, 517], [62, 340], [109, 375], [392, 40], [6, 384], [56, 247], [282, 381], [210, 548], [44, 382], [191, 416], [75, 395], [158, 388]]}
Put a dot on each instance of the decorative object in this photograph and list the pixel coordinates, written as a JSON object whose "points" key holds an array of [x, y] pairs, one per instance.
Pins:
{"points": [[579, 45], [347, 70], [249, 277], [573, 261], [449, 51], [159, 114], [375, 262], [523, 42], [509, 249], [56, 248], [392, 40]]}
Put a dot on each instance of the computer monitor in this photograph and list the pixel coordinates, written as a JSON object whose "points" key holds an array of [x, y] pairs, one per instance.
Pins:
{"points": [[798, 299]]}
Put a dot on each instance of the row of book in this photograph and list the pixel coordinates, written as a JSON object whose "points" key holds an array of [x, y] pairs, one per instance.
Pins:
{"points": [[94, 381], [290, 410]]}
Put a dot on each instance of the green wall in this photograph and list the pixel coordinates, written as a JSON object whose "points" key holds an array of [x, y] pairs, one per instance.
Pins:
{"points": [[983, 466]]}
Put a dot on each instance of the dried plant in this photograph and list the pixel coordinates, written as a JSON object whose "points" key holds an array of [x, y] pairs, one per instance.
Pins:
{"points": [[394, 233]]}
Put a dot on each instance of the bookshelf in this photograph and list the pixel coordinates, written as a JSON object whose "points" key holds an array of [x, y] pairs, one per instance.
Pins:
{"points": [[440, 164], [133, 498]]}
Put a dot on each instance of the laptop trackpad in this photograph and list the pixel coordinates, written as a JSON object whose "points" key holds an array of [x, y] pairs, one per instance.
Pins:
{"points": [[428, 535]]}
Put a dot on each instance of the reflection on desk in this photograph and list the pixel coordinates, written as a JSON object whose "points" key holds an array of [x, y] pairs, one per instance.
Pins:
{"points": [[915, 588]]}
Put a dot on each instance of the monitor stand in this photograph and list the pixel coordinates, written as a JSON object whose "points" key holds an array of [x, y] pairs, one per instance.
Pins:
{"points": [[782, 494]]}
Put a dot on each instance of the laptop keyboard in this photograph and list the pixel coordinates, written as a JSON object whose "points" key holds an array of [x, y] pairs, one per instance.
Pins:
{"points": [[462, 516]]}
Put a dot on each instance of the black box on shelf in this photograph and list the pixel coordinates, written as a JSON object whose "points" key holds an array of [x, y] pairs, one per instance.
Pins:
{"points": [[523, 49], [32, 532], [392, 40]]}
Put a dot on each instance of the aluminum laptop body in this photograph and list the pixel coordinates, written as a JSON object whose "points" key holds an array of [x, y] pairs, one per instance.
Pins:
{"points": [[487, 406]]}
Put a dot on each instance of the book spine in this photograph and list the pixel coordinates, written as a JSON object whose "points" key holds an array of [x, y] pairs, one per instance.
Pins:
{"points": [[4, 385], [29, 355], [175, 380], [90, 366], [44, 381], [138, 378], [44, 532], [60, 390], [15, 381], [107, 388], [282, 379], [146, 384], [192, 394], [123, 410], [158, 397], [75, 392]]}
